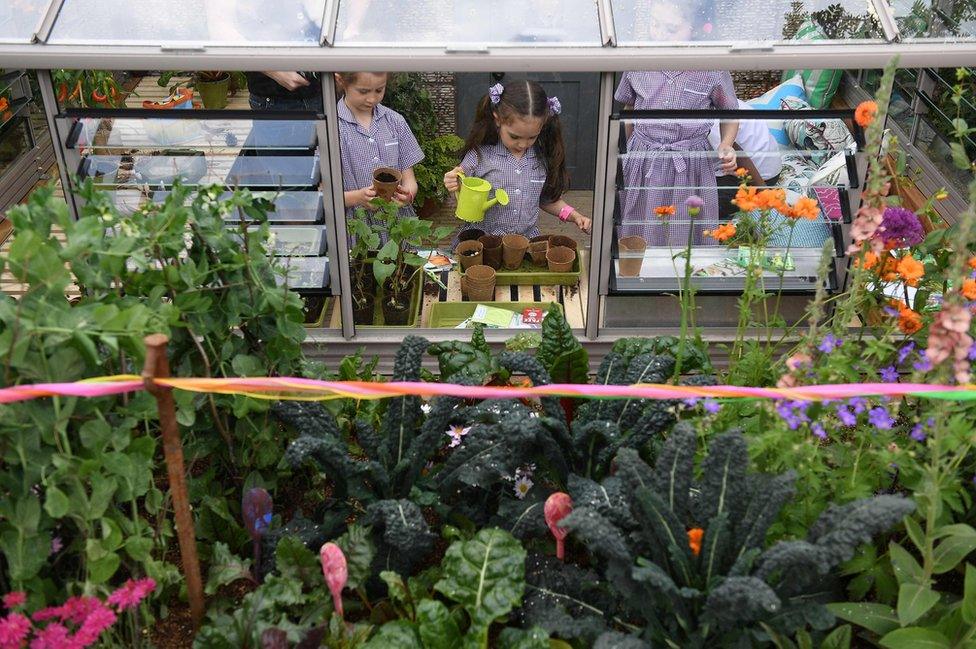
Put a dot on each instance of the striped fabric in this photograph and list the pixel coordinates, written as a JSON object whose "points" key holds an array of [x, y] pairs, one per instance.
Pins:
{"points": [[819, 85], [523, 179]]}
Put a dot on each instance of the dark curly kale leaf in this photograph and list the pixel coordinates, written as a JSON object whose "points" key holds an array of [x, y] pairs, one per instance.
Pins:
{"points": [[723, 479], [740, 600], [607, 498], [403, 415], [592, 439], [695, 358], [402, 537], [312, 535], [526, 365], [615, 640], [523, 518], [565, 600]]}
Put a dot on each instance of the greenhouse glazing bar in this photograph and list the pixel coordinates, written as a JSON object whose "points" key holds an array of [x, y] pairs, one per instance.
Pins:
{"points": [[741, 56]]}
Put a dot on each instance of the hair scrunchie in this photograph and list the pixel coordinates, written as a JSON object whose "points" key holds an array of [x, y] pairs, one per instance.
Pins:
{"points": [[495, 93], [554, 106]]}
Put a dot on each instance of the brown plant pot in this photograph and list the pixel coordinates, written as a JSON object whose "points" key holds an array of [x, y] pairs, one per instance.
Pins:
{"points": [[468, 253], [385, 182], [471, 234], [491, 254], [479, 283], [365, 313], [537, 249], [513, 250], [556, 240], [560, 259], [631, 255]]}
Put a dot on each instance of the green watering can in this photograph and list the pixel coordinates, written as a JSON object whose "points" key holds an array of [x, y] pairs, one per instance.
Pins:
{"points": [[473, 202]]}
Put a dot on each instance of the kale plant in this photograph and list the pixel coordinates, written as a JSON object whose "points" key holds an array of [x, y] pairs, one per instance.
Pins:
{"points": [[687, 557]]}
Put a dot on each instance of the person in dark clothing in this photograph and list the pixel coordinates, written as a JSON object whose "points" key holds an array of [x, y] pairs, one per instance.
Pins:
{"points": [[285, 90]]}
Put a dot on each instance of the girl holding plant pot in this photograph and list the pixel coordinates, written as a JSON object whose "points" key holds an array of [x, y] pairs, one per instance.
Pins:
{"points": [[516, 144], [373, 136]]}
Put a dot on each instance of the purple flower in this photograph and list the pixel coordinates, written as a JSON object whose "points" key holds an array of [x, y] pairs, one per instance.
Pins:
{"points": [[712, 406], [923, 364], [691, 402], [818, 430], [858, 403], [890, 311], [889, 374], [901, 227], [846, 417], [694, 201], [794, 413], [880, 418], [917, 433], [56, 545], [905, 351], [972, 352], [829, 343]]}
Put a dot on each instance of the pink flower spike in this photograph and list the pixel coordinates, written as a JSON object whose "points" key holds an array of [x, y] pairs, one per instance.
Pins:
{"points": [[558, 506], [335, 571], [13, 631], [14, 600], [53, 636], [93, 626], [129, 594]]}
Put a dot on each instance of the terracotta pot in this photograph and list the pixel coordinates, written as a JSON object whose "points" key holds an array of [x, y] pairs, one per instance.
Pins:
{"points": [[479, 283], [385, 182], [560, 259], [513, 250], [631, 255], [471, 234], [491, 255], [537, 249], [469, 253], [561, 240]]}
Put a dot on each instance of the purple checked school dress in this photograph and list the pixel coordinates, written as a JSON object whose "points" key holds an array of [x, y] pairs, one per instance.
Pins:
{"points": [[669, 160], [388, 142], [523, 180]]}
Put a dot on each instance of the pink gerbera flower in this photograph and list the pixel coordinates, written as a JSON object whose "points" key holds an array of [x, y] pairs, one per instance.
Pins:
{"points": [[13, 631], [96, 622], [131, 593], [14, 600], [53, 636]]}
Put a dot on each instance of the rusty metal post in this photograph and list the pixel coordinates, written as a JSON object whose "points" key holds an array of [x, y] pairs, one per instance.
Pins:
{"points": [[157, 366]]}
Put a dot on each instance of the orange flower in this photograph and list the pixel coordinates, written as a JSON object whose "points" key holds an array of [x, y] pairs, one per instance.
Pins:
{"points": [[870, 260], [889, 269], [969, 289], [745, 198], [723, 232], [941, 195], [909, 321], [665, 210], [972, 263], [865, 113], [804, 207], [771, 199], [741, 172], [4, 104], [695, 535], [910, 270]]}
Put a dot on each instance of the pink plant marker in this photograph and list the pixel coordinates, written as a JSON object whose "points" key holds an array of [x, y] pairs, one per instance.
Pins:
{"points": [[335, 572], [558, 506]]}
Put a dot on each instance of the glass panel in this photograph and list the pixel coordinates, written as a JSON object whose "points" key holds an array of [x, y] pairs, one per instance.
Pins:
{"points": [[95, 133], [15, 141], [162, 170], [19, 19], [480, 22], [952, 20], [291, 22], [649, 22]]}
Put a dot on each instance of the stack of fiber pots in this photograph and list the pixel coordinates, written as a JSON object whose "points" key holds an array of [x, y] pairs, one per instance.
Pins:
{"points": [[514, 247], [538, 246], [478, 283], [491, 254]]}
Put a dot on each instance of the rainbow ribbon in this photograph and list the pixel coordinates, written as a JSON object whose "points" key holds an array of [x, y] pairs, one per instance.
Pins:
{"points": [[293, 388]]}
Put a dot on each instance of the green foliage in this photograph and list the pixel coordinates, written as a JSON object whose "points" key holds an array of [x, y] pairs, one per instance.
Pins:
{"points": [[694, 357], [473, 359], [559, 352], [723, 591]]}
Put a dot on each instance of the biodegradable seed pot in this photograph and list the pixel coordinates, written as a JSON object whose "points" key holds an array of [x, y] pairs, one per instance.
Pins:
{"points": [[513, 250], [491, 254], [564, 241], [385, 182], [560, 259], [479, 283], [631, 255], [468, 253], [538, 246], [471, 234]]}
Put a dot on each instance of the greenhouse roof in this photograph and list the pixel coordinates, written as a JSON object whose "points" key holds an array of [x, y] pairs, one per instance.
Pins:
{"points": [[484, 34]]}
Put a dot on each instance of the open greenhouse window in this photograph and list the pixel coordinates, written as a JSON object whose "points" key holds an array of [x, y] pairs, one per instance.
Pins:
{"points": [[464, 24], [943, 20], [189, 22], [489, 246], [19, 19], [655, 22]]}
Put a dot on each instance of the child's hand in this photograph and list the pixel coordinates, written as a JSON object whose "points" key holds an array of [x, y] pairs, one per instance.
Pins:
{"points": [[402, 197], [726, 156], [451, 179], [365, 195], [582, 222]]}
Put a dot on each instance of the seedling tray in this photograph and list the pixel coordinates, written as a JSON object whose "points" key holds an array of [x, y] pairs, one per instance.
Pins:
{"points": [[447, 315], [529, 274], [416, 301]]}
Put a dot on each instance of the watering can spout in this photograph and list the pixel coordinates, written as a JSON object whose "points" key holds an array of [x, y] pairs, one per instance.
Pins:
{"points": [[473, 199], [501, 198]]}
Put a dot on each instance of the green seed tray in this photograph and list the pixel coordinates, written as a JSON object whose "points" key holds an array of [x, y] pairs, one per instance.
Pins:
{"points": [[529, 274], [416, 301], [445, 315]]}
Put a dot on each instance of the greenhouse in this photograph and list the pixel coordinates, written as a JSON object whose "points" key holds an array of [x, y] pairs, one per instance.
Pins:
{"points": [[578, 323]]}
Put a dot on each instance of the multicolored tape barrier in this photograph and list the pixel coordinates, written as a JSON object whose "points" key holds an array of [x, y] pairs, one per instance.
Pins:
{"points": [[293, 388]]}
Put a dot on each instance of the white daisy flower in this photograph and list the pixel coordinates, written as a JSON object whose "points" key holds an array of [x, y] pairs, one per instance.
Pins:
{"points": [[522, 486], [425, 408]]}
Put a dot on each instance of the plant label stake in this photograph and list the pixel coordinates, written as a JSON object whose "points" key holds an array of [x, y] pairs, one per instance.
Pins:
{"points": [[157, 366], [335, 571], [558, 506]]}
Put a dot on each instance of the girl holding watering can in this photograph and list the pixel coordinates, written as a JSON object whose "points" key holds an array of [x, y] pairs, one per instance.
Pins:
{"points": [[516, 144]]}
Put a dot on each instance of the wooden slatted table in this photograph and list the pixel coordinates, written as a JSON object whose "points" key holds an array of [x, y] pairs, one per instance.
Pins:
{"points": [[148, 89]]}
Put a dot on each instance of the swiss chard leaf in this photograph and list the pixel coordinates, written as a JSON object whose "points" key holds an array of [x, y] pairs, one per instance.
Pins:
{"points": [[560, 352]]}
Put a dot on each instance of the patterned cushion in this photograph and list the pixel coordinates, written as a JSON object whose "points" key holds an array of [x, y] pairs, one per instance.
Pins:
{"points": [[772, 100], [820, 85], [815, 133], [797, 172], [832, 173]]}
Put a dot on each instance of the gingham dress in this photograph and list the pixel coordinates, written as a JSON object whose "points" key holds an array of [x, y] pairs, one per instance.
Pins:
{"points": [[523, 179], [388, 142], [667, 157]]}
